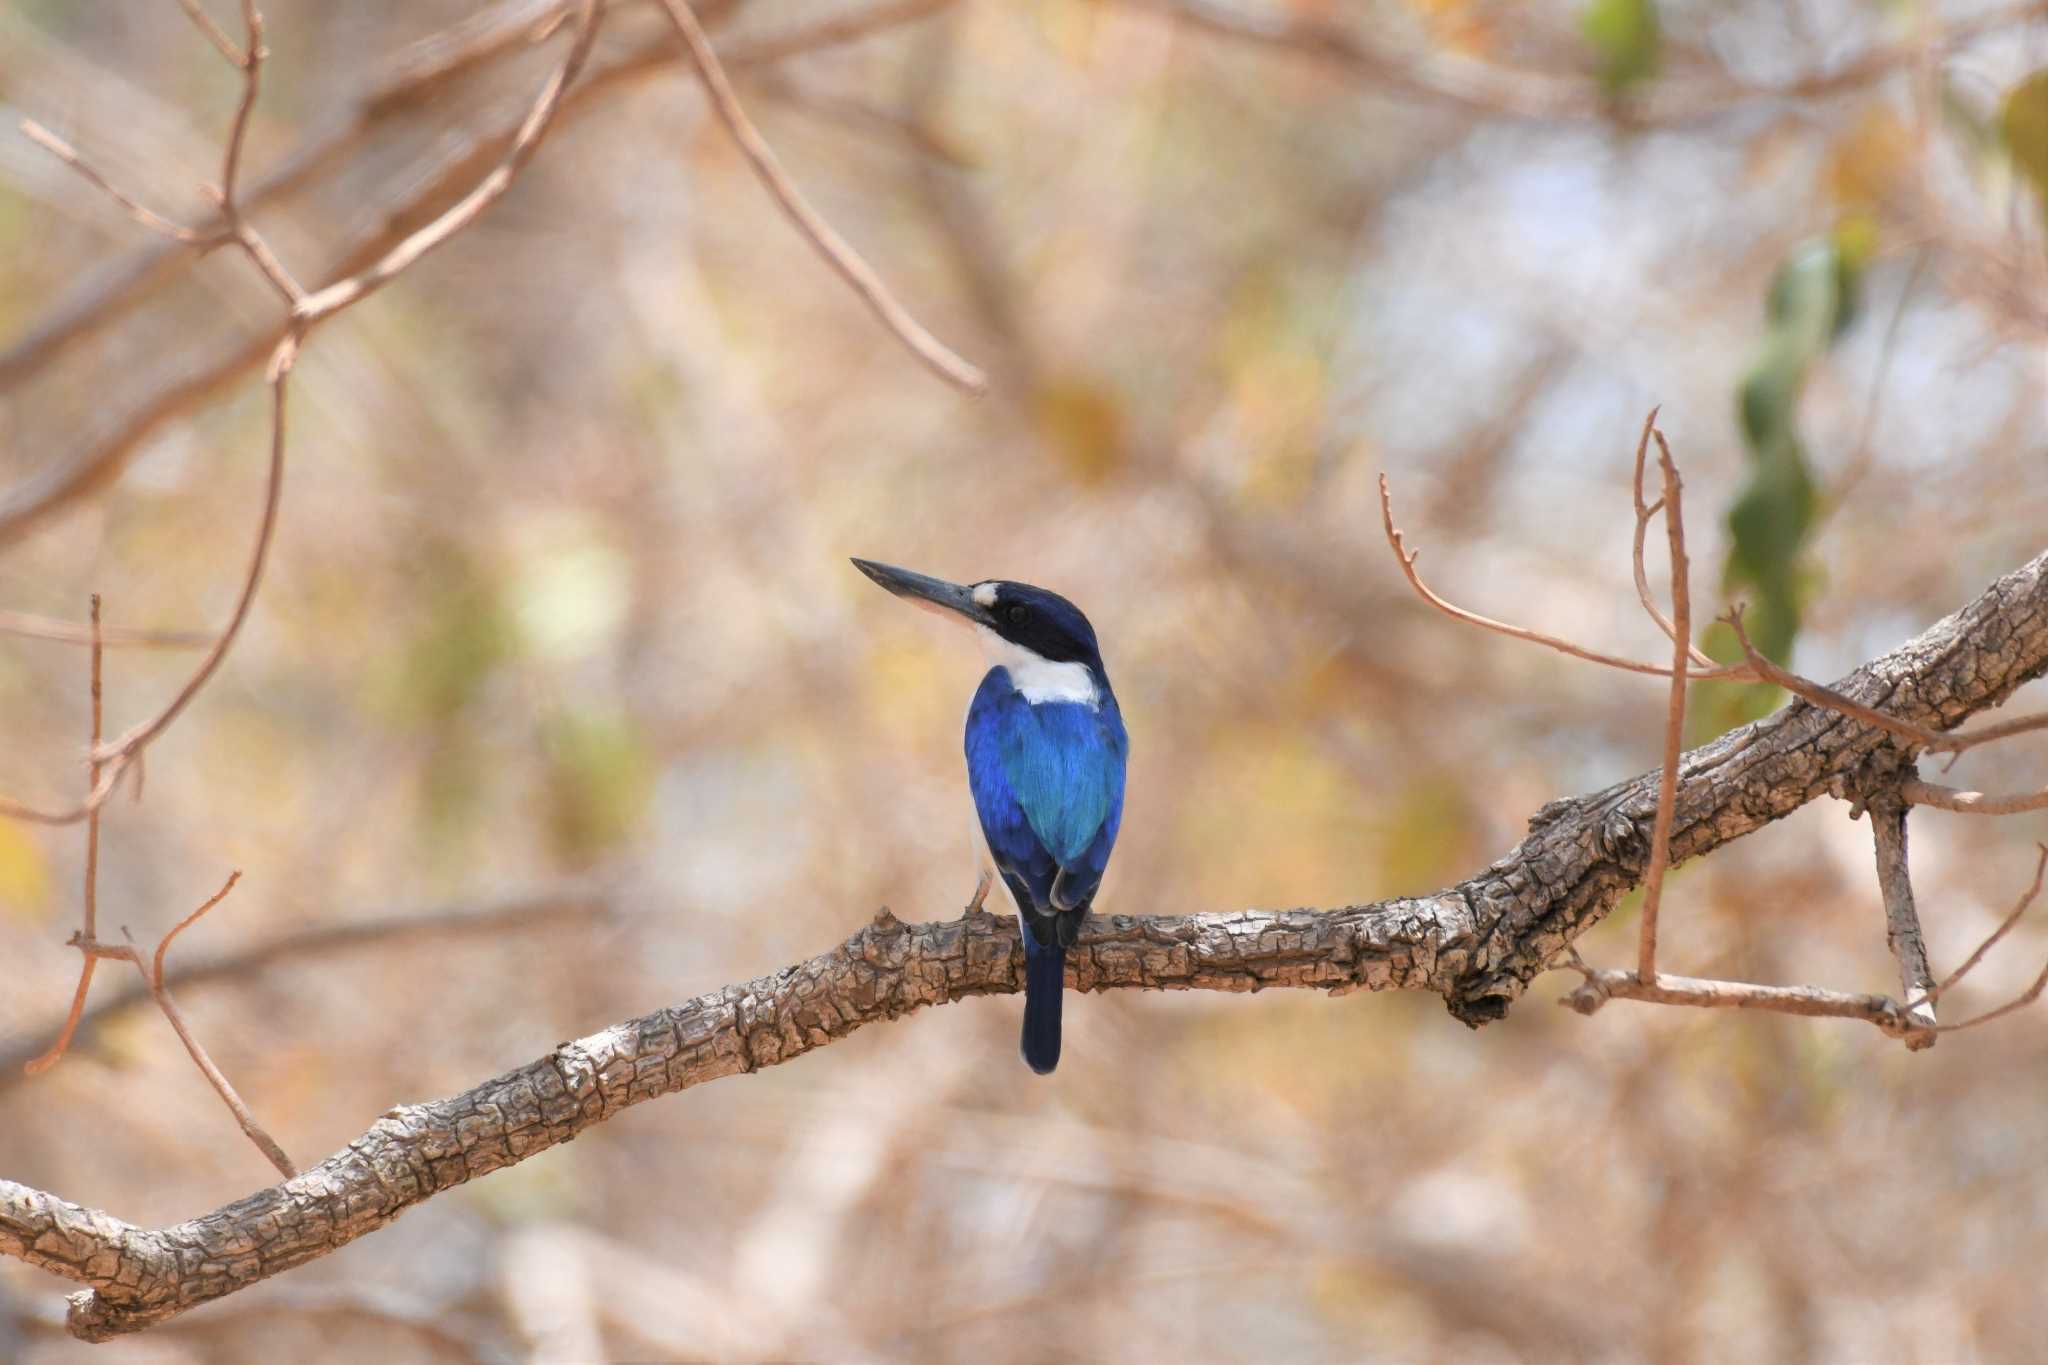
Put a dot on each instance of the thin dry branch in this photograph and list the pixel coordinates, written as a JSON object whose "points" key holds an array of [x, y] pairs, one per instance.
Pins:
{"points": [[123, 749], [823, 237], [89, 897], [153, 980], [1902, 933], [149, 218], [1921, 793], [306, 312], [315, 307], [1478, 944], [431, 65], [214, 33], [1680, 631], [1645, 512], [33, 627], [1407, 558], [153, 975], [585, 901], [2005, 926], [1600, 986]]}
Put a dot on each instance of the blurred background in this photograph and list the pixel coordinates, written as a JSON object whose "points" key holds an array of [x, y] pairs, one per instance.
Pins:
{"points": [[561, 693]]}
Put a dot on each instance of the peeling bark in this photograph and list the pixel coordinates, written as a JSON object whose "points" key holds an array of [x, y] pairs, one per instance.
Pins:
{"points": [[1478, 944]]}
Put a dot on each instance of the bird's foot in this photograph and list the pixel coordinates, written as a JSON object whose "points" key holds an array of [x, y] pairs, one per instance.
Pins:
{"points": [[980, 895]]}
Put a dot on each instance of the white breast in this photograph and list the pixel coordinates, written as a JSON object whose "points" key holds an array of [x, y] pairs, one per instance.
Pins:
{"points": [[1037, 677]]}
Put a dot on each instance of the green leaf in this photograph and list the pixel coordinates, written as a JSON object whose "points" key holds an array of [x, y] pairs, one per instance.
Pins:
{"points": [[1625, 36]]}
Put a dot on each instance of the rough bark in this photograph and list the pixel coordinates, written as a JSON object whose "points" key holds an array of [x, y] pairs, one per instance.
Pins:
{"points": [[1478, 944]]}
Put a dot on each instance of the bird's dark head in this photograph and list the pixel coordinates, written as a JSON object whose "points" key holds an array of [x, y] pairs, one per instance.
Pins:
{"points": [[1041, 637]]}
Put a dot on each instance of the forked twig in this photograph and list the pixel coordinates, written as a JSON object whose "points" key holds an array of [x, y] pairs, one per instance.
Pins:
{"points": [[315, 307], [1680, 630], [838, 253], [1644, 512], [2005, 926], [1407, 558]]}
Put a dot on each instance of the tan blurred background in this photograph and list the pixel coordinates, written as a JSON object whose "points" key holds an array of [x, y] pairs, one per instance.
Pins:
{"points": [[560, 599]]}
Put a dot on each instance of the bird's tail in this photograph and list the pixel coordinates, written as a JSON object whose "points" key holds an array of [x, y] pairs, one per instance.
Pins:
{"points": [[1045, 970]]}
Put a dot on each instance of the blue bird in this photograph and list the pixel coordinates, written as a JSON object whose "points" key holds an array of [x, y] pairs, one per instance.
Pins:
{"points": [[1045, 762]]}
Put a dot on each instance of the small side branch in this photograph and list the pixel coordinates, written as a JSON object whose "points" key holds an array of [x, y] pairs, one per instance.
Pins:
{"points": [[1600, 986], [1679, 628], [1921, 793], [838, 253], [1407, 558], [1901, 917]]}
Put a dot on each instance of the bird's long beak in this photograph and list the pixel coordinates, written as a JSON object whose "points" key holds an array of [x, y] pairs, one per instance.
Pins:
{"points": [[924, 591]]}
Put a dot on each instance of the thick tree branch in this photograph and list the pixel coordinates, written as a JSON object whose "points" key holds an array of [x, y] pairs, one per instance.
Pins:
{"points": [[1478, 944]]}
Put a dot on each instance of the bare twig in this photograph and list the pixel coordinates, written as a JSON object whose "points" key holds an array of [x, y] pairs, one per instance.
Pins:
{"points": [[34, 627], [1600, 986], [1644, 512], [213, 32], [153, 973], [2013, 917], [1674, 717], [838, 253], [1902, 917], [2025, 997], [1921, 793], [440, 59], [121, 750], [250, 63], [1407, 557], [89, 915], [539, 119], [155, 222], [585, 900]]}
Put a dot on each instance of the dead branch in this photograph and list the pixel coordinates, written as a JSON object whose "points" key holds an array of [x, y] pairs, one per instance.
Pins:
{"points": [[1478, 944], [306, 312], [823, 237], [89, 898], [1645, 512], [33, 627], [1921, 793], [1680, 631], [1902, 917], [525, 142], [432, 65], [1407, 558], [585, 901], [437, 62], [2005, 926], [1600, 986]]}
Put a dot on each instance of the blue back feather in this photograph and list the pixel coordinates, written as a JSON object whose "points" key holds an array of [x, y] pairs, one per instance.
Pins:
{"points": [[1048, 783]]}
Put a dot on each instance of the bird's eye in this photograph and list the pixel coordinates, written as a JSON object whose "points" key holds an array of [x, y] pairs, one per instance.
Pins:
{"points": [[1018, 614]]}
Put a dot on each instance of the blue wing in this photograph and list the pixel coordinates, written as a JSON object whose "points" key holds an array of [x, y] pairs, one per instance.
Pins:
{"points": [[1048, 783]]}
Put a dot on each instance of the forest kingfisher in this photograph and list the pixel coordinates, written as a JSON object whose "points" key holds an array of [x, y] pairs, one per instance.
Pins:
{"points": [[1045, 762]]}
